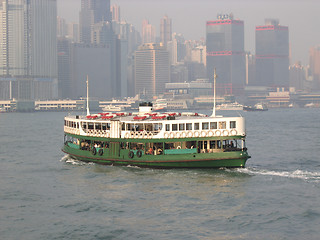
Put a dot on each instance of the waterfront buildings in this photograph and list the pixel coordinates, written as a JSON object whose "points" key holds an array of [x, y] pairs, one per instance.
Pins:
{"points": [[272, 54], [152, 69], [28, 55], [225, 52]]}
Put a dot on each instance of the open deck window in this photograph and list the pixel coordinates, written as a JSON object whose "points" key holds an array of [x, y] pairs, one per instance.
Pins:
{"points": [[174, 127], [213, 125], [233, 124], [205, 126], [222, 125], [181, 126]]}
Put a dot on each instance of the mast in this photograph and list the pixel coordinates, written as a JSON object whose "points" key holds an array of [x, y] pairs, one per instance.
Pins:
{"points": [[214, 93], [88, 111]]}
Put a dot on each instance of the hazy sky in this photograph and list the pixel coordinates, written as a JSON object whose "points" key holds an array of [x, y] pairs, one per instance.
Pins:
{"points": [[189, 17]]}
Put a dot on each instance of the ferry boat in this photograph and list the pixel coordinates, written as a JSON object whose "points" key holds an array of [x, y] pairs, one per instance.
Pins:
{"points": [[157, 140], [230, 106], [256, 107]]}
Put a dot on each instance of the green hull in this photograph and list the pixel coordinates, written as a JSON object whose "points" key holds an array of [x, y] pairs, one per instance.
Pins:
{"points": [[187, 160]]}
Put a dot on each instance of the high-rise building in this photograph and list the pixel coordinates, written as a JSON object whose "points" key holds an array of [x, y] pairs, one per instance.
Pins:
{"points": [[225, 52], [115, 11], [64, 76], [272, 54], [148, 32], [165, 30], [315, 66], [28, 42], [92, 12], [152, 69]]}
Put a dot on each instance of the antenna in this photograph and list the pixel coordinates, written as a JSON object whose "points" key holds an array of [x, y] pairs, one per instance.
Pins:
{"points": [[88, 111], [214, 93]]}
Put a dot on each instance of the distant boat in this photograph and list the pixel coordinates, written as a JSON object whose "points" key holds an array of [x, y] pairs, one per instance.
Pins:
{"points": [[2, 110], [160, 105], [230, 106], [256, 107], [112, 108]]}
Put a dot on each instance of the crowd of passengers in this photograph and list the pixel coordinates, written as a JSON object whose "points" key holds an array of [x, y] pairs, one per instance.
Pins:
{"points": [[157, 148]]}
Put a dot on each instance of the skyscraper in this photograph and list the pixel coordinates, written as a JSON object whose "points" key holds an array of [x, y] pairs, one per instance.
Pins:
{"points": [[148, 32], [115, 11], [225, 52], [165, 30], [152, 69], [92, 11], [272, 54], [28, 42]]}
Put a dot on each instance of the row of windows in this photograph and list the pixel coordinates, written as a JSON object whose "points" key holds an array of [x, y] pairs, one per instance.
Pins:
{"points": [[155, 127], [71, 124], [196, 126]]}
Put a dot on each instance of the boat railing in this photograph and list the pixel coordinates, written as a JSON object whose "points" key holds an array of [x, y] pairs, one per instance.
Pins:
{"points": [[72, 130]]}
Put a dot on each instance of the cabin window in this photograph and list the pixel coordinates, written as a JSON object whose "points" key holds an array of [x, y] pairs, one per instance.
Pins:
{"points": [[181, 126], [232, 124], [65, 122], [188, 126], [123, 128], [129, 127], [167, 127], [196, 126], [222, 125], [174, 127], [98, 126], [90, 126], [157, 126], [205, 126], [213, 125], [84, 125], [104, 127]]}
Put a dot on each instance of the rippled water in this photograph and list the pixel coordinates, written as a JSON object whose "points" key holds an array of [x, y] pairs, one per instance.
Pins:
{"points": [[45, 195]]}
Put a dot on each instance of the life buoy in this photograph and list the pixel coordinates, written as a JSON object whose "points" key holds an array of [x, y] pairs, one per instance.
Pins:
{"points": [[190, 134], [183, 134], [150, 135], [100, 152], [196, 134], [225, 132], [178, 147], [139, 153], [94, 151], [210, 133], [233, 132], [178, 135], [217, 133], [131, 154], [172, 135], [127, 135], [203, 133], [166, 135]]}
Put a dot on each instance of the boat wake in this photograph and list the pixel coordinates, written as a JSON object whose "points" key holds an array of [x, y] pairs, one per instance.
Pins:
{"points": [[298, 174], [67, 159]]}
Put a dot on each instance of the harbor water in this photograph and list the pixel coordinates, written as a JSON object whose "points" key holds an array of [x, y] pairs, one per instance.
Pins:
{"points": [[45, 195]]}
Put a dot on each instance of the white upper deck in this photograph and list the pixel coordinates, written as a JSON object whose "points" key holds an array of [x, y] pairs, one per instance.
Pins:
{"points": [[154, 125]]}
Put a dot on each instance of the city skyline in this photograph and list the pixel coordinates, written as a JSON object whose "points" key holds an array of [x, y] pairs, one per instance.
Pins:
{"points": [[190, 19]]}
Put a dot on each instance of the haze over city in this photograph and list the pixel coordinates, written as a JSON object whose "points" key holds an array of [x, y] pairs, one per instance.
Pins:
{"points": [[189, 18]]}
